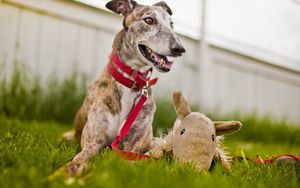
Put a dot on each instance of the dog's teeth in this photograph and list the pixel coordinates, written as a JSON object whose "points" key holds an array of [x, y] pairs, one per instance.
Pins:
{"points": [[149, 50], [162, 62]]}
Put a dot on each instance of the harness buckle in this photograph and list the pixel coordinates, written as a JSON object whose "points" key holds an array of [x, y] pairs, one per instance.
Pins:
{"points": [[145, 89]]}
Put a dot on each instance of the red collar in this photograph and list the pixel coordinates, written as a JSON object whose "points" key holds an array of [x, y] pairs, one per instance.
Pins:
{"points": [[134, 80]]}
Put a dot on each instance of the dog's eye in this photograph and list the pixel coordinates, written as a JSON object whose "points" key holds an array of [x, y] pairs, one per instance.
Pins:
{"points": [[213, 137], [182, 131], [149, 21]]}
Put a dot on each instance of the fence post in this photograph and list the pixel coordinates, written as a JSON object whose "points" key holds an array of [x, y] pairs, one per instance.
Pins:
{"points": [[203, 63]]}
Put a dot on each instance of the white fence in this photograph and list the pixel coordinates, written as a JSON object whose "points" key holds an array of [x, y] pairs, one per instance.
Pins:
{"points": [[57, 37]]}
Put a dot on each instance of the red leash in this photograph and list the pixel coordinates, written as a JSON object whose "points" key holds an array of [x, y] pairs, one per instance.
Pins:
{"points": [[125, 129], [136, 81], [278, 159]]}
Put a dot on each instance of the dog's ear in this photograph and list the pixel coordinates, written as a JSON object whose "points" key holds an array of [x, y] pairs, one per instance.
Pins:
{"points": [[227, 127], [165, 6], [123, 7]]}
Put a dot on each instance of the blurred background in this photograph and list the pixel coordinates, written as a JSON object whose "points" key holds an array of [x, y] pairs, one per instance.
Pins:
{"points": [[242, 63], [243, 57]]}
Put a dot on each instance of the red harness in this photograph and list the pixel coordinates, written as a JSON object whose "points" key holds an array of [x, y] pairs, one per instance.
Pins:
{"points": [[139, 82]]}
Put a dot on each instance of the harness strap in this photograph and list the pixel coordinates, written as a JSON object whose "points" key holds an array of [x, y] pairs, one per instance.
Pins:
{"points": [[129, 121], [136, 81], [116, 145]]}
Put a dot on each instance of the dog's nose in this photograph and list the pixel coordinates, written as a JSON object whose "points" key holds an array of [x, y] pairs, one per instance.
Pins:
{"points": [[177, 49]]}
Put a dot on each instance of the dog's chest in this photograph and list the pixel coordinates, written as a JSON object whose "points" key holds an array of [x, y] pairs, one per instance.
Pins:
{"points": [[127, 103]]}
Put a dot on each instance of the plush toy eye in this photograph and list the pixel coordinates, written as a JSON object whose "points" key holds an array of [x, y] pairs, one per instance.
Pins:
{"points": [[213, 137], [149, 21], [182, 131]]}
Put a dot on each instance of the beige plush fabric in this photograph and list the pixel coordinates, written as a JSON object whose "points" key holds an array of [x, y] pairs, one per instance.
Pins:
{"points": [[195, 138]]}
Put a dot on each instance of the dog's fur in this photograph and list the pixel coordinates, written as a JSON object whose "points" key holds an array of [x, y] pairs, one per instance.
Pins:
{"points": [[107, 103]]}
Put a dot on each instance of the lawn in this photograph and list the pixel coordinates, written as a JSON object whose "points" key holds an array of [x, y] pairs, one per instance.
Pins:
{"points": [[33, 115], [31, 151]]}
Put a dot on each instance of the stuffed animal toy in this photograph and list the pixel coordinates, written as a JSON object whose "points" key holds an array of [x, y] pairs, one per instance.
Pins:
{"points": [[194, 138]]}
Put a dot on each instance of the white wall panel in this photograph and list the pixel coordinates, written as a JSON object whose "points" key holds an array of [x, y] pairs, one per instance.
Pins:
{"points": [[29, 34], [49, 46], [84, 53], [9, 19], [68, 47], [50, 42], [103, 47]]}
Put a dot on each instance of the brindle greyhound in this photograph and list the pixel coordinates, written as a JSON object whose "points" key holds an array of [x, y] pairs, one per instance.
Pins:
{"points": [[147, 38]]}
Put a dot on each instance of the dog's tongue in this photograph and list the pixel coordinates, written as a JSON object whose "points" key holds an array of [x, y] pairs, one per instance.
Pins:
{"points": [[166, 63]]}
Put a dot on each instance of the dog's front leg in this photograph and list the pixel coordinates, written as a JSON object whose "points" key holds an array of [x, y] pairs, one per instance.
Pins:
{"points": [[94, 138], [139, 137]]}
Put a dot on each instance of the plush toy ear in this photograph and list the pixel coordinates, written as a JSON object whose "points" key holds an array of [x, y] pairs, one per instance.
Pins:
{"points": [[165, 6], [123, 7], [227, 127], [180, 105]]}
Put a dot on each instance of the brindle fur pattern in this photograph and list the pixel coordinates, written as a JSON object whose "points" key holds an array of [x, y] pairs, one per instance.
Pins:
{"points": [[159, 38], [108, 103]]}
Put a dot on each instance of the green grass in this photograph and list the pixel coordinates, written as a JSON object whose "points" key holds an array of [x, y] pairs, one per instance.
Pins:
{"points": [[31, 151], [34, 115], [26, 97]]}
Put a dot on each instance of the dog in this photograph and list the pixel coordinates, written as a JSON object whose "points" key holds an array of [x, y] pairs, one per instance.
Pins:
{"points": [[146, 40]]}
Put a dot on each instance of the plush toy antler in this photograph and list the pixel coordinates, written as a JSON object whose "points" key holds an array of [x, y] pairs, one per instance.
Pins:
{"points": [[194, 138], [180, 105]]}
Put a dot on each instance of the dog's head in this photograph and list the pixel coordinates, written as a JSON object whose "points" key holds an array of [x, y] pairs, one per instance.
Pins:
{"points": [[149, 37]]}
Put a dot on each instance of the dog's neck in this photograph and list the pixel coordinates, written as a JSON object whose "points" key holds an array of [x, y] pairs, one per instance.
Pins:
{"points": [[124, 48]]}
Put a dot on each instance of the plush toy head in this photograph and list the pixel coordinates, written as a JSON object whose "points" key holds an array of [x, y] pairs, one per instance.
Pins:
{"points": [[194, 136]]}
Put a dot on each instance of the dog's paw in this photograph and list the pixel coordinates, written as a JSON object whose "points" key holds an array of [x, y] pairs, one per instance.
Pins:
{"points": [[74, 168], [69, 136], [62, 175], [70, 170], [58, 174]]}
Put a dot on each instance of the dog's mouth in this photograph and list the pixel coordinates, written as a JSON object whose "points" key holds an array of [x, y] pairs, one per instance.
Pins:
{"points": [[159, 61]]}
